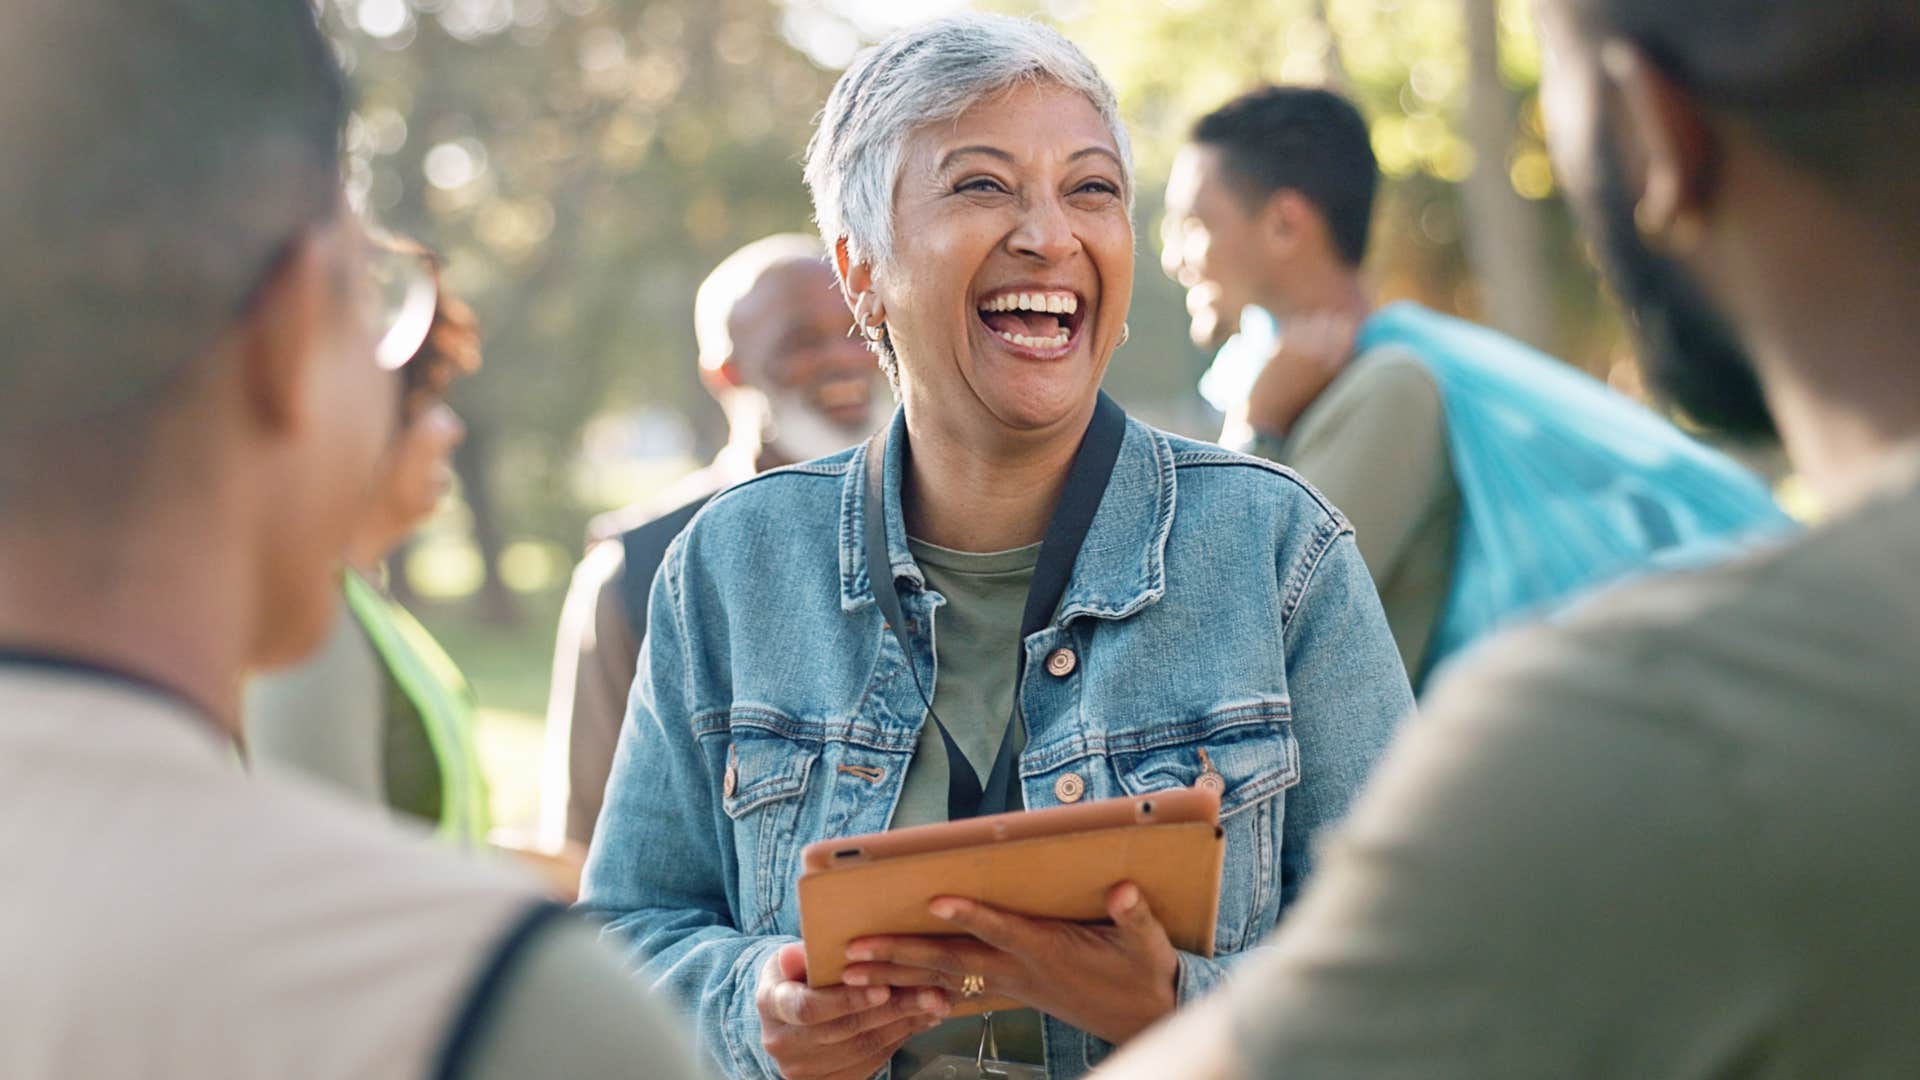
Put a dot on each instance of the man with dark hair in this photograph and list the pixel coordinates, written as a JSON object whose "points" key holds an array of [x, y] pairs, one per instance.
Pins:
{"points": [[197, 354], [1672, 835], [1468, 517], [1268, 207]]}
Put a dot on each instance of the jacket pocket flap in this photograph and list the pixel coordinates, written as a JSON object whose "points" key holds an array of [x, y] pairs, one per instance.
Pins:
{"points": [[762, 770], [1248, 747]]}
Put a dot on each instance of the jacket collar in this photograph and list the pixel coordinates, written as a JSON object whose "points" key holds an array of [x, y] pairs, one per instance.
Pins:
{"points": [[1122, 565]]}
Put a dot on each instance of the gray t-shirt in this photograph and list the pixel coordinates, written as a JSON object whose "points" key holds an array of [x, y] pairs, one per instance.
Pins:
{"points": [[168, 914], [976, 636], [1673, 834]]}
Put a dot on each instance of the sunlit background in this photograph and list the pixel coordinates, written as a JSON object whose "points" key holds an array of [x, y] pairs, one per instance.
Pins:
{"points": [[583, 163]]}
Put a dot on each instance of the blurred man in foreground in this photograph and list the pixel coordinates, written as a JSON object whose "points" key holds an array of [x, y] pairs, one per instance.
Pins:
{"points": [[1485, 480], [197, 344], [777, 353], [1674, 834]]}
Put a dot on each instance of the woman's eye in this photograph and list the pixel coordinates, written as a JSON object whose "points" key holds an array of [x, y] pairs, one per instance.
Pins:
{"points": [[981, 184], [1097, 187]]}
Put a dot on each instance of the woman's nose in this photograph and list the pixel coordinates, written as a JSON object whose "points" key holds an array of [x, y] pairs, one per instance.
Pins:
{"points": [[1045, 233]]}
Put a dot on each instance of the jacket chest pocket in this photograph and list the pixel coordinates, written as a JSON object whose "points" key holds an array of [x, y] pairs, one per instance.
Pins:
{"points": [[761, 792], [1247, 753]]}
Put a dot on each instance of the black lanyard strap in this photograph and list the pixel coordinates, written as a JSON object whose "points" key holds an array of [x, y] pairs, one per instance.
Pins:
{"points": [[1086, 484]]}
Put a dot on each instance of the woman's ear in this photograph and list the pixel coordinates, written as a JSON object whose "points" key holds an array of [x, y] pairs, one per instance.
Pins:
{"points": [[1662, 131], [856, 284], [855, 278]]}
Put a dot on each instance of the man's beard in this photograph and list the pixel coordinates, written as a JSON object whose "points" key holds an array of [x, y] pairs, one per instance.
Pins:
{"points": [[1690, 355], [798, 431]]}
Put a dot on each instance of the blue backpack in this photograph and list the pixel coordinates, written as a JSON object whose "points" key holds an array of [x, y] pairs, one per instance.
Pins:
{"points": [[1564, 484]]}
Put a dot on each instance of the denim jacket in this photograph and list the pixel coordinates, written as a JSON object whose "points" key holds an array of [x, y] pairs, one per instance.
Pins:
{"points": [[1218, 605]]}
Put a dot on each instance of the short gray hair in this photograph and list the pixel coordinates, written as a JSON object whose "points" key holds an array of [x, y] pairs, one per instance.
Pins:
{"points": [[924, 75]]}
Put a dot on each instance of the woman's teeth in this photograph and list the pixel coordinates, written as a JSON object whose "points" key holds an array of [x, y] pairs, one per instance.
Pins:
{"points": [[1058, 340], [1052, 303], [1035, 320]]}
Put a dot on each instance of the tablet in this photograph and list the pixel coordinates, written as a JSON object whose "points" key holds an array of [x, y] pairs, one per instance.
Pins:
{"points": [[1056, 863]]}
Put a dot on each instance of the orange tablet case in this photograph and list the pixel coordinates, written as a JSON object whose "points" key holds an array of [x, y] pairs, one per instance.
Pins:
{"points": [[1056, 863]]}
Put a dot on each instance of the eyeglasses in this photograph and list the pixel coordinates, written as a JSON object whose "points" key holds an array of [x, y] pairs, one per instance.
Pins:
{"points": [[399, 297], [393, 288]]}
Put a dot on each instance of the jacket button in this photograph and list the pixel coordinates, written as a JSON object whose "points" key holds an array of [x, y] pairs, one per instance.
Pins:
{"points": [[732, 781], [1211, 781], [1069, 788], [1061, 662]]}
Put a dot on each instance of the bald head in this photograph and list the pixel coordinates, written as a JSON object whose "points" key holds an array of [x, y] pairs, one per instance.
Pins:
{"points": [[737, 276], [777, 350]]}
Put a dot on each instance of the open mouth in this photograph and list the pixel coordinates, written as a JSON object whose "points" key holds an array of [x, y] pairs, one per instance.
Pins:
{"points": [[1041, 321]]}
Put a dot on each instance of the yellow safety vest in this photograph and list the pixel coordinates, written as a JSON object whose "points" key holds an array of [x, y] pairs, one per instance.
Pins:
{"points": [[441, 695]]}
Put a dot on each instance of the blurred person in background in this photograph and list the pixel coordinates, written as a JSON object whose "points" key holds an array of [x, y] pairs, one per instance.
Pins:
{"points": [[1485, 480], [381, 712], [778, 353], [198, 345], [1672, 835], [843, 647]]}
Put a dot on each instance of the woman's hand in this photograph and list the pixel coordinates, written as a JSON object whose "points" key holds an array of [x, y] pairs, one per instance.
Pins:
{"points": [[837, 1033], [1113, 981]]}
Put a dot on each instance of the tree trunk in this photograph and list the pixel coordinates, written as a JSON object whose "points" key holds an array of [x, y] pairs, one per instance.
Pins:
{"points": [[1505, 236], [472, 462]]}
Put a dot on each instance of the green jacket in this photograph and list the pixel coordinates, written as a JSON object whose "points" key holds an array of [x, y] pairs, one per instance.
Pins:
{"points": [[442, 699]]}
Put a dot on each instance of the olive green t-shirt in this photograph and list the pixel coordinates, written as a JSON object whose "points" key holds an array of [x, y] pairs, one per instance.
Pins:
{"points": [[1670, 833], [976, 637], [1375, 444]]}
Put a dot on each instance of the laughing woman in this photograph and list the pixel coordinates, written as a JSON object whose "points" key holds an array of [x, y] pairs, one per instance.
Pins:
{"points": [[1150, 612]]}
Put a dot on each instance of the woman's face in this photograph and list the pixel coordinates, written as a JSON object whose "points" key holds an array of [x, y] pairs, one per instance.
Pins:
{"points": [[1013, 263], [419, 464]]}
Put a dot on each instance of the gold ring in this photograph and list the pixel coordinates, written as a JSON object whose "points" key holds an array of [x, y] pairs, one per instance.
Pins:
{"points": [[973, 986]]}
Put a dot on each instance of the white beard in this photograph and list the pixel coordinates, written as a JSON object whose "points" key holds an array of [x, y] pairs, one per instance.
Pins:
{"points": [[795, 430]]}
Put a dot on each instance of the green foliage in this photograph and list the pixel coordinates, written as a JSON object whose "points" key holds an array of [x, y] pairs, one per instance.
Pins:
{"points": [[583, 163]]}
